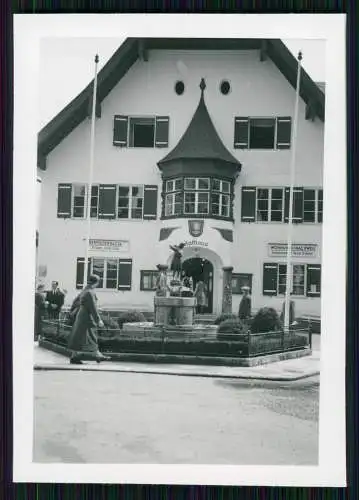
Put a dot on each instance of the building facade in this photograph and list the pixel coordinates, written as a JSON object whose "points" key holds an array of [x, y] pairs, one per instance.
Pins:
{"points": [[193, 145]]}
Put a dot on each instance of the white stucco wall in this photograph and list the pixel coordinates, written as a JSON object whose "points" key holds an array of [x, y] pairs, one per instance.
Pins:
{"points": [[258, 89]]}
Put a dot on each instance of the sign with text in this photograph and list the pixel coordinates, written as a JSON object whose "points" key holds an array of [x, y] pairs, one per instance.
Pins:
{"points": [[195, 243], [109, 245], [298, 250]]}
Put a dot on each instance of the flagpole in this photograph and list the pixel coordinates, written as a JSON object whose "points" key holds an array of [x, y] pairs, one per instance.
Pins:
{"points": [[90, 181], [289, 274]]}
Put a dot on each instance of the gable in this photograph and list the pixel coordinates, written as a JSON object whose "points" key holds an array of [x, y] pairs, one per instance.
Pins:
{"points": [[136, 48]]}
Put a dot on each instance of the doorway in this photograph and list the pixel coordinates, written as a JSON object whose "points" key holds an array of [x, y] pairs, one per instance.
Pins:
{"points": [[201, 269]]}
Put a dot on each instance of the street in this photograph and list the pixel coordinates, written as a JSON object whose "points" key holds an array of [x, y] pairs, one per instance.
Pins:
{"points": [[99, 417]]}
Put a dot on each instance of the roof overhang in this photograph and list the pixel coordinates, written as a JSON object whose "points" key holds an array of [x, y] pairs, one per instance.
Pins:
{"points": [[199, 167]]}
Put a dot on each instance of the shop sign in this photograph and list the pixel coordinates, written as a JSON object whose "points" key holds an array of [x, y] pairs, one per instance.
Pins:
{"points": [[195, 243], [109, 245], [298, 250]]}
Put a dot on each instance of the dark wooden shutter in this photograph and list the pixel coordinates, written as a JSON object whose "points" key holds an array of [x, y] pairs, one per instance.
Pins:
{"points": [[150, 202], [284, 130], [286, 204], [248, 212], [241, 132], [298, 204], [120, 127], [107, 201], [80, 269], [64, 194], [313, 279], [270, 279], [124, 274], [162, 127], [320, 205]]}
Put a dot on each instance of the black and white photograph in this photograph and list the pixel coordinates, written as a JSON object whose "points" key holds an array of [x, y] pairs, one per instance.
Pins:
{"points": [[185, 279]]}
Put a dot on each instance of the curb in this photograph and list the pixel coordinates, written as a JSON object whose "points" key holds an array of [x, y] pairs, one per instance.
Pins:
{"points": [[89, 368]]}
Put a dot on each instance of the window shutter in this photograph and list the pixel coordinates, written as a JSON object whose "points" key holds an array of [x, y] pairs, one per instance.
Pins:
{"points": [[270, 279], [120, 127], [80, 269], [313, 280], [286, 204], [124, 274], [64, 194], [298, 204], [241, 132], [284, 130], [162, 127], [107, 201], [150, 202], [248, 212], [320, 205]]}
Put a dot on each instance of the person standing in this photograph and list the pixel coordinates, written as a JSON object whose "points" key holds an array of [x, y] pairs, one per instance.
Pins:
{"points": [[55, 299], [245, 306], [40, 308], [83, 340], [201, 295]]}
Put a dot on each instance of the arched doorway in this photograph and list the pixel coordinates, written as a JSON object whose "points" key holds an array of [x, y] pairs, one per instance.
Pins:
{"points": [[201, 269]]}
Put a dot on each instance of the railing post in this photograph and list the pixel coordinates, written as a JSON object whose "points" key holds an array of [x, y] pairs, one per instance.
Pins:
{"points": [[249, 343], [310, 334], [283, 333]]}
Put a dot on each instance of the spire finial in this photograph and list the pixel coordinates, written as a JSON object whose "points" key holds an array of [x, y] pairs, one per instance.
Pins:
{"points": [[202, 85]]}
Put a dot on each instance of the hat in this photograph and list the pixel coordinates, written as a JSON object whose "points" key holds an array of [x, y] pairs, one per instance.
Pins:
{"points": [[93, 279], [245, 288]]}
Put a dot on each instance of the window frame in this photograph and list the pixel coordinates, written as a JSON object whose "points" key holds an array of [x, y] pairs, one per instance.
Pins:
{"points": [[269, 208], [143, 274], [279, 285], [241, 277], [130, 135], [276, 146]]}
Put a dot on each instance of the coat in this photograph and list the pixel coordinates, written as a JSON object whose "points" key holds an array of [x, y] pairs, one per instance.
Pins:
{"points": [[39, 313], [245, 308], [83, 337], [201, 293], [55, 298]]}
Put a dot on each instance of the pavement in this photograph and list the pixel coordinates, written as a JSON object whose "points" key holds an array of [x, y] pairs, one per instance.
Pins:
{"points": [[141, 418], [289, 370]]}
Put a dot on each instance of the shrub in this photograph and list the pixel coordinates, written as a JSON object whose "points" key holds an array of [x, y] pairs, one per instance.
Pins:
{"points": [[109, 329], [130, 317], [231, 330], [266, 320], [223, 317]]}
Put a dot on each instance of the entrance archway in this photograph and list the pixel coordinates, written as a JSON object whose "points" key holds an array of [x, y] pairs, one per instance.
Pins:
{"points": [[201, 269]]}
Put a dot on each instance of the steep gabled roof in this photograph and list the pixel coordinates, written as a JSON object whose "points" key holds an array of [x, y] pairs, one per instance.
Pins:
{"points": [[200, 141], [134, 48]]}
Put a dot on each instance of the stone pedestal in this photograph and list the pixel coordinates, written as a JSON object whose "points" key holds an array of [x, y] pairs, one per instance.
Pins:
{"points": [[174, 311], [227, 290]]}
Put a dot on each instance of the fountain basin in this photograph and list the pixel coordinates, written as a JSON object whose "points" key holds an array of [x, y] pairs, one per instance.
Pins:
{"points": [[174, 311]]}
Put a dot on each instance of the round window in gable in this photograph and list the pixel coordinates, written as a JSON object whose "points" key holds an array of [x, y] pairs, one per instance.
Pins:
{"points": [[179, 88], [225, 87]]}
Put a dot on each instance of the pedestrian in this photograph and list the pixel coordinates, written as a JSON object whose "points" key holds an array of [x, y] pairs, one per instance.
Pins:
{"points": [[55, 299], [40, 309], [245, 306], [201, 295], [83, 340]]}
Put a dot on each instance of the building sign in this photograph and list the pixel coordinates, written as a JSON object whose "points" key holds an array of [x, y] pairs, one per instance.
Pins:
{"points": [[109, 245], [298, 250], [195, 243]]}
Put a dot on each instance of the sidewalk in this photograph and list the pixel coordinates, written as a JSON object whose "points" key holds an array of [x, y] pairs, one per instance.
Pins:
{"points": [[289, 370]]}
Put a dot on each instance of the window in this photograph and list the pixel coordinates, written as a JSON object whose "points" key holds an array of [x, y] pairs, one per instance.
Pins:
{"points": [[239, 280], [78, 200], [179, 88], [148, 280], [262, 204], [197, 196], [130, 202], [141, 132], [305, 279], [313, 205], [225, 87], [108, 201], [220, 197], [262, 133], [270, 204], [115, 274]]}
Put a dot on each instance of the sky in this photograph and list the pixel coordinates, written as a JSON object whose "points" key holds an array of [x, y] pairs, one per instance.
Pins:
{"points": [[71, 61]]}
